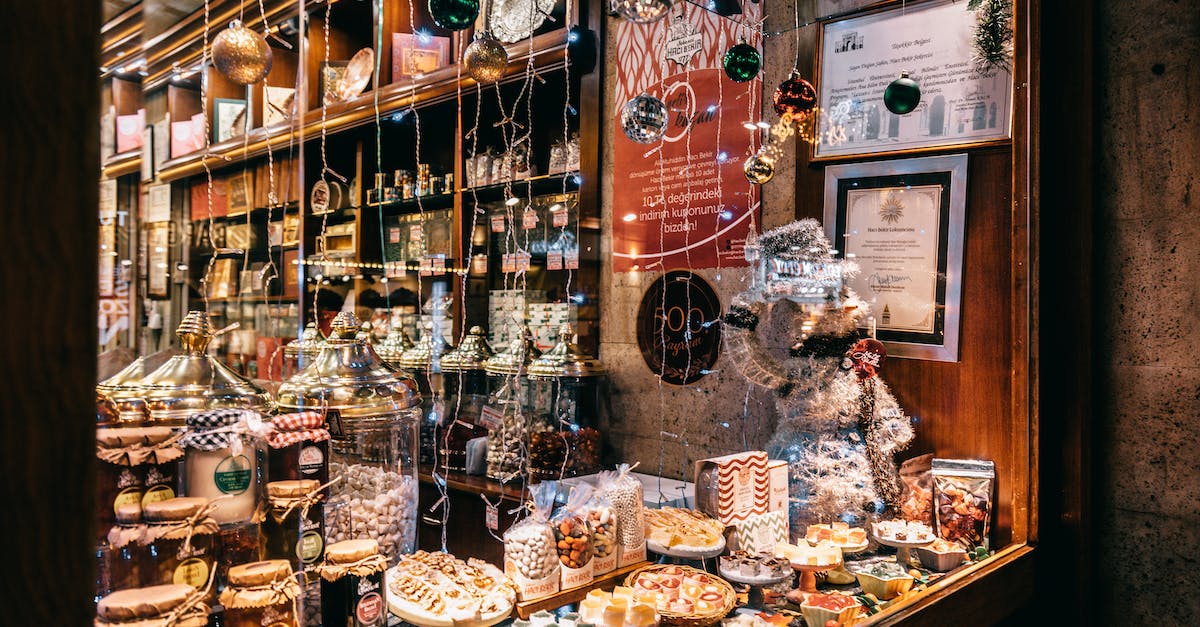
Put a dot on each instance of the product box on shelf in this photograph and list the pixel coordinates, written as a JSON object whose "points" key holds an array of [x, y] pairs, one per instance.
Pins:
{"points": [[759, 532], [777, 479], [415, 55], [733, 487]]}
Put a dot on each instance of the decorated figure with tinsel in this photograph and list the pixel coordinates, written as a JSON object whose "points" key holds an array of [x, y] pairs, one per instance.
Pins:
{"points": [[839, 426]]}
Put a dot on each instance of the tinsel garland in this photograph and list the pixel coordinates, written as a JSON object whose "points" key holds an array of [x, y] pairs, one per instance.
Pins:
{"points": [[883, 469], [993, 33]]}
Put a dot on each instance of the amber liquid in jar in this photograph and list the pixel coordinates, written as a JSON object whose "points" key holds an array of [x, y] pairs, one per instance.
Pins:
{"points": [[282, 615], [165, 562], [116, 485]]}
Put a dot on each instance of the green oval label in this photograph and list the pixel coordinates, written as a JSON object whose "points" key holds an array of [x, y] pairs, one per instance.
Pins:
{"points": [[232, 475], [308, 549]]}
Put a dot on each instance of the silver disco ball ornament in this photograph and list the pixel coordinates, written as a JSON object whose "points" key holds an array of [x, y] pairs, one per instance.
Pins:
{"points": [[644, 119], [642, 11]]}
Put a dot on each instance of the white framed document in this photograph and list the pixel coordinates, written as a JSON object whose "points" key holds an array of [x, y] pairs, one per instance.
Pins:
{"points": [[858, 57], [901, 222]]}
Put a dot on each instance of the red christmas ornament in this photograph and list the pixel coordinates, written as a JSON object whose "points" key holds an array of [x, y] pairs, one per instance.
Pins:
{"points": [[795, 95], [866, 357]]}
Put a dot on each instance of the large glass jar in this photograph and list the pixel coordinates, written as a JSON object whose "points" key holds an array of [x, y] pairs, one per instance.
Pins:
{"points": [[508, 410], [371, 412], [567, 407], [424, 361], [465, 385]]}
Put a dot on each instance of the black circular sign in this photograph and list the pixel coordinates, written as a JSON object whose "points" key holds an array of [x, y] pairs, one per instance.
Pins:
{"points": [[679, 327]]}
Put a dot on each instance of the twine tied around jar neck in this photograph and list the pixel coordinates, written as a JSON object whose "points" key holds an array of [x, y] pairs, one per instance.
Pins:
{"points": [[195, 606], [286, 590], [198, 522], [139, 453], [304, 502]]}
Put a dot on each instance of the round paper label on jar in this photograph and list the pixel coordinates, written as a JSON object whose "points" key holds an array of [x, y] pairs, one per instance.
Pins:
{"points": [[319, 198], [311, 459], [192, 571], [308, 549], [232, 475], [369, 609], [156, 494], [128, 496]]}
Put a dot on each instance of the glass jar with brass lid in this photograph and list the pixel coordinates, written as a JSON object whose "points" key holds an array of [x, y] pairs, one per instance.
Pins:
{"points": [[261, 594], [393, 347], [194, 381], [169, 605], [124, 389], [299, 353], [294, 526], [371, 412], [424, 361], [511, 399], [466, 387], [178, 540], [567, 409]]}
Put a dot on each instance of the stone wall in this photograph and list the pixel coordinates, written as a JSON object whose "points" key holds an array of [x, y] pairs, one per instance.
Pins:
{"points": [[1147, 238]]}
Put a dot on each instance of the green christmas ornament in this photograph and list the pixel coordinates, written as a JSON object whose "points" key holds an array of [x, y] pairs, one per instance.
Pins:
{"points": [[742, 62], [902, 95], [454, 14]]}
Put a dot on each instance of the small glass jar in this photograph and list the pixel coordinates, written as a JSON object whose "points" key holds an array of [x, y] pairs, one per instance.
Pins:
{"points": [[567, 408], [465, 386], [222, 461], [137, 465], [172, 605], [178, 541], [261, 594], [298, 448], [294, 526], [372, 415], [124, 554], [352, 591]]}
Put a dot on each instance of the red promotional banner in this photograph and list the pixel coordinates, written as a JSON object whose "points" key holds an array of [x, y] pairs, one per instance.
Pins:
{"points": [[684, 202]]}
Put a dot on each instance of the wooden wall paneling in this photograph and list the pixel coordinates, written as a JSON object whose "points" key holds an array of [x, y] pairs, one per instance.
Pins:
{"points": [[126, 95], [48, 320], [342, 45], [182, 102]]}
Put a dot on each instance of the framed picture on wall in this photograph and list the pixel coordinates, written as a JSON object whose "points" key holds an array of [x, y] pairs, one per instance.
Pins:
{"points": [[229, 118], [959, 104], [902, 222]]}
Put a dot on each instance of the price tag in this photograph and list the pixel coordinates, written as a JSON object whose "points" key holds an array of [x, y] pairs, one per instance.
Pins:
{"points": [[529, 219], [490, 417], [492, 517], [415, 233], [572, 259], [506, 263], [396, 269], [498, 224], [560, 218], [438, 265], [554, 260], [394, 235]]}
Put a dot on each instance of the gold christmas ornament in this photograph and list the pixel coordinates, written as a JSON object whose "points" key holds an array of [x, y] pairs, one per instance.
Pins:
{"points": [[759, 168], [485, 59], [241, 55]]}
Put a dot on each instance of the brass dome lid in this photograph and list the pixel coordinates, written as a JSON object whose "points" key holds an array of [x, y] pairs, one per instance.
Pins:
{"points": [[517, 357], [195, 381], [472, 354], [349, 377], [421, 356], [565, 360], [393, 346], [124, 389], [309, 344]]}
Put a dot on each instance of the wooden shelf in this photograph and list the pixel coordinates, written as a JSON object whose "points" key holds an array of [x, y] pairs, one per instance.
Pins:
{"points": [[474, 484], [577, 594], [282, 300], [121, 164], [444, 84]]}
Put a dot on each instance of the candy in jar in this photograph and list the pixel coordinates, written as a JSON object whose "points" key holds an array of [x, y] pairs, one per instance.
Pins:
{"points": [[530, 549]]}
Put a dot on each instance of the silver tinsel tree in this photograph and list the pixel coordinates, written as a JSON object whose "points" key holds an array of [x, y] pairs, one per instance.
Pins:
{"points": [[838, 424]]}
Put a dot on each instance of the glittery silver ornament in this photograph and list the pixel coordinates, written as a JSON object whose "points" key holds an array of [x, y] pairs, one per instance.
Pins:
{"points": [[642, 11], [241, 55], [644, 119], [759, 168], [485, 58]]}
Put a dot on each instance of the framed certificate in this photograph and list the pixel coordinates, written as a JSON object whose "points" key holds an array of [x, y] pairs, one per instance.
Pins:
{"points": [[902, 222], [960, 105]]}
